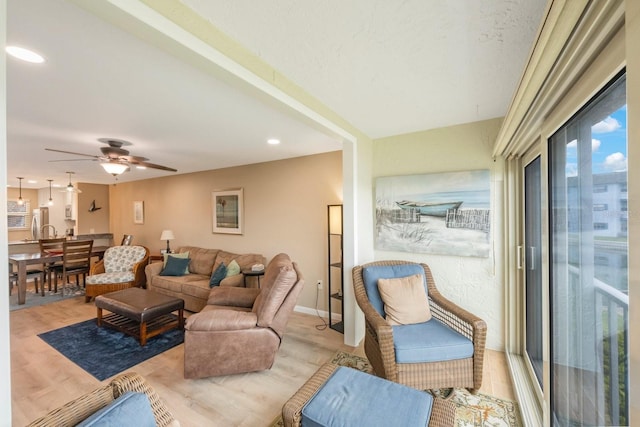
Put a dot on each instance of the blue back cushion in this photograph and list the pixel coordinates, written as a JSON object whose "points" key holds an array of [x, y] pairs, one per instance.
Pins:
{"points": [[352, 398], [175, 266], [370, 276], [129, 410]]}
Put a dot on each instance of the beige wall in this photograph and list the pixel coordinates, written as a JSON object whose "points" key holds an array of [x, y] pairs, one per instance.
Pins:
{"points": [[97, 221], [285, 205], [470, 282]]}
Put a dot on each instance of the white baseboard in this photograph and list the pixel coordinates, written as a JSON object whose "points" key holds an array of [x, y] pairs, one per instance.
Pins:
{"points": [[314, 312]]}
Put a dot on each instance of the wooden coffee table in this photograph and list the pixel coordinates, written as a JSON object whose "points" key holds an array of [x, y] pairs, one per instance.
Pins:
{"points": [[140, 313]]}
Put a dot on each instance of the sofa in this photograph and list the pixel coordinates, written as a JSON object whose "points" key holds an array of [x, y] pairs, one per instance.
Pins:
{"points": [[194, 286], [240, 329], [107, 397]]}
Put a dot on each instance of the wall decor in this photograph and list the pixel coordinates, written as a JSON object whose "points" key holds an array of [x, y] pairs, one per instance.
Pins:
{"points": [[138, 212], [443, 213], [227, 211]]}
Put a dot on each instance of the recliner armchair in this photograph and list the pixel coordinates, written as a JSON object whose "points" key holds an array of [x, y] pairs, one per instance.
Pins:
{"points": [[240, 329], [407, 354]]}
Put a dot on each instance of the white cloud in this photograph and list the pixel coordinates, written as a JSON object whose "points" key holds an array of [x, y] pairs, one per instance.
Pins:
{"points": [[573, 143], [571, 169], [595, 144], [615, 162], [607, 125]]}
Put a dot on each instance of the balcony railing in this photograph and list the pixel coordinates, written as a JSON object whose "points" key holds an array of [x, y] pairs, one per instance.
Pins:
{"points": [[612, 331]]}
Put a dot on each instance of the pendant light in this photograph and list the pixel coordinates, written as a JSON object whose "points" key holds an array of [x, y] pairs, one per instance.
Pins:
{"points": [[20, 201], [50, 199]]}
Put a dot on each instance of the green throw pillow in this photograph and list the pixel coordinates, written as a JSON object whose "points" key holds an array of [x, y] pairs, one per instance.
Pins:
{"points": [[179, 255], [175, 266], [217, 276], [233, 268]]}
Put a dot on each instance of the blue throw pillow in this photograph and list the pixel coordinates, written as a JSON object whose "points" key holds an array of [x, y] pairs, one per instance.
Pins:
{"points": [[217, 276], [175, 266], [132, 409]]}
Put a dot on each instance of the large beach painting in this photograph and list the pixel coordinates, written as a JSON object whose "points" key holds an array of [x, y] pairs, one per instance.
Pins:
{"points": [[444, 213]]}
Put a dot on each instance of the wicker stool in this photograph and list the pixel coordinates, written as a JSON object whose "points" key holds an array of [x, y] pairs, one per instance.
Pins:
{"points": [[442, 411]]}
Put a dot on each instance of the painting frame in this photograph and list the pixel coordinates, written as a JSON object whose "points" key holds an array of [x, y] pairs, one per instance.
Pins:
{"points": [[228, 211], [447, 213], [138, 212]]}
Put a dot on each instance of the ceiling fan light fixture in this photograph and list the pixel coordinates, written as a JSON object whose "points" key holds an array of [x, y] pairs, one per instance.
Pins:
{"points": [[114, 168]]}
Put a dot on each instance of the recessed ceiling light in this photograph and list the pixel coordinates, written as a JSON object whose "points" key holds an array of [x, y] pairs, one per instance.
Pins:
{"points": [[24, 54], [141, 167], [273, 141], [32, 181]]}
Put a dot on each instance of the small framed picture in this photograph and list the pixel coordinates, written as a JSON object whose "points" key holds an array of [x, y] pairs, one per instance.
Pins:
{"points": [[227, 211], [67, 212], [138, 212]]}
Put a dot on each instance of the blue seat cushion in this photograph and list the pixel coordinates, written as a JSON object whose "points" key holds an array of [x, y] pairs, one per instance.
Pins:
{"points": [[370, 276], [431, 341], [129, 410], [352, 398]]}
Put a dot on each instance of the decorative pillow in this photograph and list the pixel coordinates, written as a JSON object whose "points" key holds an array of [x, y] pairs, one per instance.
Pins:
{"points": [[405, 300], [175, 266], [233, 268], [218, 274], [180, 255]]}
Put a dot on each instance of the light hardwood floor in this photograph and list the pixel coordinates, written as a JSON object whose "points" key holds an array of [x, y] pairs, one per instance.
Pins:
{"points": [[42, 379]]}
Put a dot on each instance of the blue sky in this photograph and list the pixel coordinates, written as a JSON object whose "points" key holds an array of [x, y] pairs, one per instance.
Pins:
{"points": [[608, 145]]}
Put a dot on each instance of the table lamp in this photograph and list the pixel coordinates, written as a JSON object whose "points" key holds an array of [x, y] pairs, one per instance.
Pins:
{"points": [[167, 235]]}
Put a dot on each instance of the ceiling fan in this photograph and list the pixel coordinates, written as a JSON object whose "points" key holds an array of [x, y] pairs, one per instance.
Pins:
{"points": [[115, 159]]}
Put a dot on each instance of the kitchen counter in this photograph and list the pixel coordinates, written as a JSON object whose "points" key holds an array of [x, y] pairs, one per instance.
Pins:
{"points": [[27, 246]]}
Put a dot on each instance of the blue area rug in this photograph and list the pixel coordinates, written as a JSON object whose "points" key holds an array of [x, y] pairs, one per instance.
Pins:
{"points": [[105, 352]]}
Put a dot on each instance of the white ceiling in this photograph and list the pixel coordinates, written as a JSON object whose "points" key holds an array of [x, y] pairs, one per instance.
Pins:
{"points": [[387, 66]]}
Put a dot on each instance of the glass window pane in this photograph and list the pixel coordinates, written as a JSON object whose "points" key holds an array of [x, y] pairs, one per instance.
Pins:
{"points": [[589, 279], [533, 265]]}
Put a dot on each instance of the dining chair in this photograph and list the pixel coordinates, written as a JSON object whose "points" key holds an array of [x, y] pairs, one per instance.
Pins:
{"points": [[51, 246], [76, 261], [126, 240]]}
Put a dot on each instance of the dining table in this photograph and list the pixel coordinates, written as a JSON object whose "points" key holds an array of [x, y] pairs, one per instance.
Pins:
{"points": [[21, 261]]}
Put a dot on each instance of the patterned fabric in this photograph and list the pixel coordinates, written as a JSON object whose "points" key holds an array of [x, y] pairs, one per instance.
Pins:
{"points": [[117, 277], [122, 258]]}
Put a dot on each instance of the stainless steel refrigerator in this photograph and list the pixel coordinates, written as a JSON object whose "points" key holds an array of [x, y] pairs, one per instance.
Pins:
{"points": [[40, 217]]}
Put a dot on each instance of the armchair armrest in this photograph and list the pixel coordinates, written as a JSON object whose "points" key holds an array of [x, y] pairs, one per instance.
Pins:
{"points": [[221, 320], [232, 296], [139, 270], [97, 268]]}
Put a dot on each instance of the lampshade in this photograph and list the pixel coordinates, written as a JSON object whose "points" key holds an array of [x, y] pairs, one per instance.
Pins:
{"points": [[167, 235], [114, 167], [335, 219]]}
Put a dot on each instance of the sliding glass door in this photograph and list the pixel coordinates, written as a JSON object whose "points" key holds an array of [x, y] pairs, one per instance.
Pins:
{"points": [[588, 264], [533, 267]]}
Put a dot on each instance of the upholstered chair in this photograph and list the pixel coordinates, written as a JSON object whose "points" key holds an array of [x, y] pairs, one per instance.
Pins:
{"points": [[121, 267], [240, 329], [446, 351]]}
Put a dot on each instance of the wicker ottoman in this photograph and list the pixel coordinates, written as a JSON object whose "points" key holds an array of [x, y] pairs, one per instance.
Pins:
{"points": [[140, 313], [442, 411]]}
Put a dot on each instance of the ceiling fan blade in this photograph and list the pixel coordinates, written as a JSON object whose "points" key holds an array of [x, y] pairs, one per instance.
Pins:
{"points": [[72, 160], [154, 166], [134, 159], [71, 152]]}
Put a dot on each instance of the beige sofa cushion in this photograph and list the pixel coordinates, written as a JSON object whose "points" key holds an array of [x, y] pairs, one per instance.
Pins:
{"points": [[201, 259]]}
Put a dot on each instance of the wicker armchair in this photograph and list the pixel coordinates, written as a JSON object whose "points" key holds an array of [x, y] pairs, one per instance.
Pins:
{"points": [[379, 343], [77, 410], [121, 267]]}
